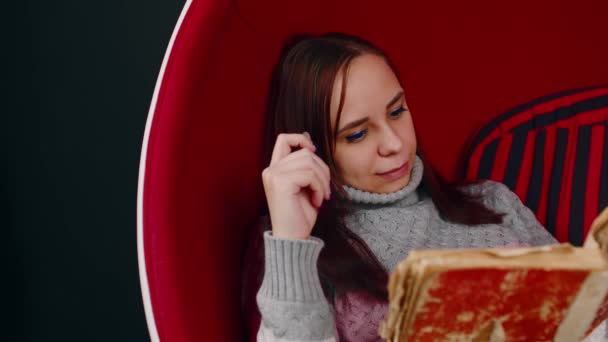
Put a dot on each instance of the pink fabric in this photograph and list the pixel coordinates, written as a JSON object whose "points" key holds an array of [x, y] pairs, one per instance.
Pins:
{"points": [[358, 317]]}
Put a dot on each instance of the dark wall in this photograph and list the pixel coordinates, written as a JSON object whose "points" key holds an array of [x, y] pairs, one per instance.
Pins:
{"points": [[80, 81]]}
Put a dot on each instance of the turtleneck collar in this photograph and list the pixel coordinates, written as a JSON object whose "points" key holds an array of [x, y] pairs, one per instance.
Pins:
{"points": [[407, 193]]}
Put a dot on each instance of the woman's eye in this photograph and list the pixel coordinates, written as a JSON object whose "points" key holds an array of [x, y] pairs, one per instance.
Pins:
{"points": [[397, 112], [356, 136]]}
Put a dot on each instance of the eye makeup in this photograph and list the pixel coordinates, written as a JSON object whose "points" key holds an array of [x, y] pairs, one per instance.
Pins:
{"points": [[356, 136], [398, 111], [360, 134]]}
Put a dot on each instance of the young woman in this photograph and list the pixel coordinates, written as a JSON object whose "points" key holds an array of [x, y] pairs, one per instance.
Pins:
{"points": [[349, 195]]}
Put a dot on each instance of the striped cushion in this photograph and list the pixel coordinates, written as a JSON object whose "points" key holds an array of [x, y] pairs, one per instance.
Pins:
{"points": [[553, 153]]}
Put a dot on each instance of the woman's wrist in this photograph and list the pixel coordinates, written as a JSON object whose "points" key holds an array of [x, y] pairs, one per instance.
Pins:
{"points": [[291, 269], [289, 236]]}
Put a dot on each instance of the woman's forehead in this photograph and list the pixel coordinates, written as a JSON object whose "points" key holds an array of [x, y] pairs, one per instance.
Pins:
{"points": [[370, 86]]}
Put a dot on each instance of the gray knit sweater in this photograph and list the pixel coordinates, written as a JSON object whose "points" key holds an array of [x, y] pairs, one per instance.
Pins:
{"points": [[291, 299]]}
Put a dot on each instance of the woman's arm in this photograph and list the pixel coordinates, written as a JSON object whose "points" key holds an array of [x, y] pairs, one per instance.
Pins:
{"points": [[291, 299], [517, 215]]}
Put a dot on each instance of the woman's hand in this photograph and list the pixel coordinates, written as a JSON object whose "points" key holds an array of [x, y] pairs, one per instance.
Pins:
{"points": [[295, 183]]}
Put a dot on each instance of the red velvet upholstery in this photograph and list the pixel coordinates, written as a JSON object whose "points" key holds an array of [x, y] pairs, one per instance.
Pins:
{"points": [[460, 64]]}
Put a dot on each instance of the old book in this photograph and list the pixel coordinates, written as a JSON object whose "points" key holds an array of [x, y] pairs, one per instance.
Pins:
{"points": [[549, 293]]}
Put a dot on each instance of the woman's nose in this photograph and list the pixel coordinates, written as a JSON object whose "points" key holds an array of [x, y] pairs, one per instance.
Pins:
{"points": [[390, 142]]}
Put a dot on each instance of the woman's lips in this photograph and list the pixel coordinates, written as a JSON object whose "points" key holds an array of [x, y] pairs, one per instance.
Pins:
{"points": [[396, 173]]}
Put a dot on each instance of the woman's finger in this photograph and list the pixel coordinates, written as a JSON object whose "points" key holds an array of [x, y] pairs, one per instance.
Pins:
{"points": [[307, 178], [306, 159], [284, 144]]}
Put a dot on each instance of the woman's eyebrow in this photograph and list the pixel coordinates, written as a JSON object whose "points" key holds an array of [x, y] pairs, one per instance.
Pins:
{"points": [[395, 99], [365, 119], [353, 124]]}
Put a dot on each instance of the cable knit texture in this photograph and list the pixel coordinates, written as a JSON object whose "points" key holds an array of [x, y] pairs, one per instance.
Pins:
{"points": [[392, 225], [291, 299]]}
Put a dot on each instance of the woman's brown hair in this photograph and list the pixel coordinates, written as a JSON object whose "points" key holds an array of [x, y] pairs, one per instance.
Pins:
{"points": [[299, 100]]}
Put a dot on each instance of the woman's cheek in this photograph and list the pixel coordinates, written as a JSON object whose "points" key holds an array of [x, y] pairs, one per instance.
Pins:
{"points": [[359, 161]]}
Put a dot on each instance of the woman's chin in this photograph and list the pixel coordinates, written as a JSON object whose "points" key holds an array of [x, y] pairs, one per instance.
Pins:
{"points": [[383, 186], [393, 185], [401, 183]]}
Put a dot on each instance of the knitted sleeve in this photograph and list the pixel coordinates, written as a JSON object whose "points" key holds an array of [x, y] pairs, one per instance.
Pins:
{"points": [[517, 216], [291, 300]]}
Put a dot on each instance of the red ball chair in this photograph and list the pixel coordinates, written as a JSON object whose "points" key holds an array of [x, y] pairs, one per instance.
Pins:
{"points": [[199, 185]]}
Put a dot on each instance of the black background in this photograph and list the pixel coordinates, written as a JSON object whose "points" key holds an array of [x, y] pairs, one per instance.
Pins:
{"points": [[77, 83]]}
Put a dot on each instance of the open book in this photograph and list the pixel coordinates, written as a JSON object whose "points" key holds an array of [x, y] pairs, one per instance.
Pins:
{"points": [[550, 293]]}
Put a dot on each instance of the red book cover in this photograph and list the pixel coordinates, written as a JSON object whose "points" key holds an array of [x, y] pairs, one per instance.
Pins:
{"points": [[529, 304]]}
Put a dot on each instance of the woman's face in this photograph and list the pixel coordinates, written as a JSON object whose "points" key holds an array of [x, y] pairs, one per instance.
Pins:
{"points": [[375, 132]]}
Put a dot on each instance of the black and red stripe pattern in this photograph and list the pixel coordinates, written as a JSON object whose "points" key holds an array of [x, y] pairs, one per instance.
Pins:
{"points": [[553, 153]]}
